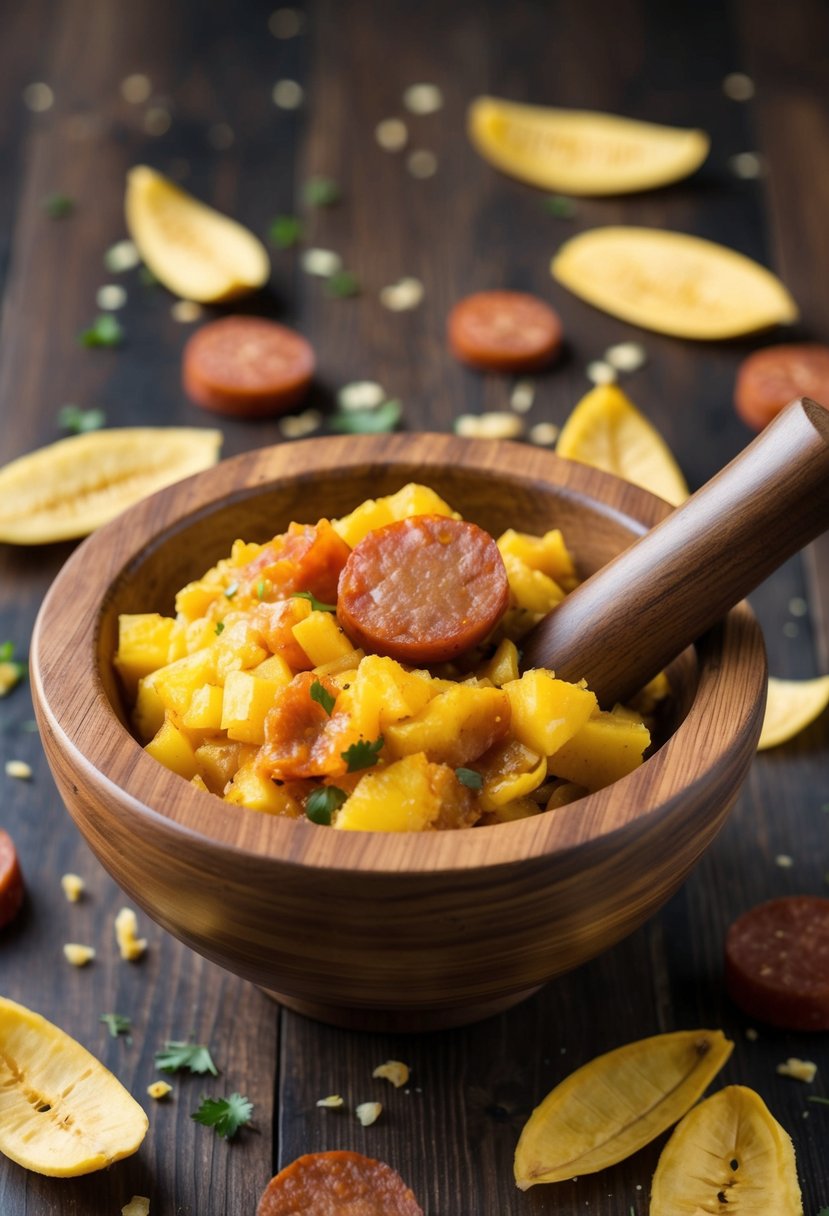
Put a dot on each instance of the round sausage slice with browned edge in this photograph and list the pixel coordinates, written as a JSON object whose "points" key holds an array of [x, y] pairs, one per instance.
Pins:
{"points": [[247, 366], [507, 331], [11, 880], [423, 590], [777, 962], [337, 1183], [770, 378]]}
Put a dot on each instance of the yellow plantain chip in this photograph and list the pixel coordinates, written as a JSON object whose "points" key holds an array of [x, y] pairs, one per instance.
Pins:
{"points": [[673, 283], [61, 1112], [617, 1103], [195, 251], [728, 1156], [607, 431], [791, 706], [73, 486], [581, 152]]}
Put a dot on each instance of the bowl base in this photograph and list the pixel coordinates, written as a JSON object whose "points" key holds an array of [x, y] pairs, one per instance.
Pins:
{"points": [[404, 1020]]}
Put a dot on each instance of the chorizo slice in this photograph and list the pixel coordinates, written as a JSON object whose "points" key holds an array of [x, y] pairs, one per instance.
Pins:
{"points": [[423, 589], [337, 1183], [770, 378], [507, 331], [777, 962], [247, 366], [11, 880]]}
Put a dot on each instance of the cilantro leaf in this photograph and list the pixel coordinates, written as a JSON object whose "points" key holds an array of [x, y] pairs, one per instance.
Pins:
{"points": [[323, 802], [323, 697], [176, 1056], [470, 778], [224, 1115], [823, 1102], [6, 652], [219, 627], [79, 422], [368, 422], [316, 605], [146, 277], [105, 330], [286, 231], [58, 206], [321, 192], [560, 206], [362, 754], [116, 1023], [342, 284]]}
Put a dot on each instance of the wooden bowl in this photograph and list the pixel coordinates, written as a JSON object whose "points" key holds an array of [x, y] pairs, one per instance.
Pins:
{"points": [[380, 930]]}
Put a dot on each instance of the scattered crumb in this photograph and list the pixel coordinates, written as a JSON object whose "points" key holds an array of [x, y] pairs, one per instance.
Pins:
{"points": [[296, 426], [332, 1102], [747, 165], [286, 23], [287, 95], [423, 99], [78, 955], [626, 356], [368, 1112], [19, 769], [544, 433], [157, 120], [784, 861], [10, 676], [136, 88], [139, 1205], [738, 86], [422, 163], [159, 1090], [361, 395], [800, 1070], [394, 1071], [790, 629], [600, 372], [110, 297], [221, 136], [38, 97], [751, 1034], [522, 396], [130, 946], [322, 262], [798, 606], [496, 425], [392, 134], [403, 295], [123, 255], [74, 887], [186, 311]]}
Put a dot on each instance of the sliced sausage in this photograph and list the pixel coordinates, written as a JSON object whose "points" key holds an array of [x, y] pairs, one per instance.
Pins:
{"points": [[423, 590], [507, 331], [337, 1183], [247, 366], [11, 880], [777, 962], [769, 379]]}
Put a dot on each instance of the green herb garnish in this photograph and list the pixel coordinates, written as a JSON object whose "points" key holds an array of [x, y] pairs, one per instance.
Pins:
{"points": [[286, 231], [6, 652], [342, 284], [317, 605], [219, 627], [322, 804], [175, 1056], [58, 206], [323, 697], [470, 778], [224, 1115], [260, 589], [321, 192], [105, 330], [816, 1098], [146, 277], [362, 754], [368, 422], [116, 1023], [79, 422], [560, 206]]}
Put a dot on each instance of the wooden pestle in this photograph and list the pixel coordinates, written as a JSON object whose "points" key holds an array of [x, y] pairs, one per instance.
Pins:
{"points": [[631, 618]]}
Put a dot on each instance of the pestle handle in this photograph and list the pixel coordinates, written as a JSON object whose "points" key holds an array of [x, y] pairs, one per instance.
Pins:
{"points": [[630, 619]]}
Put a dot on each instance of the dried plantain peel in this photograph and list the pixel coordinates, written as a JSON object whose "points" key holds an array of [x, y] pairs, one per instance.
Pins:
{"points": [[613, 1106]]}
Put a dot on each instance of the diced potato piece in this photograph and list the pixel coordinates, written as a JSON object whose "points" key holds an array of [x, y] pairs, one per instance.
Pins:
{"points": [[245, 705], [455, 727], [547, 553], [253, 789], [274, 668], [346, 662], [415, 499], [510, 772], [608, 746], [518, 808], [176, 683], [198, 782], [654, 692], [237, 647], [178, 647], [563, 793], [371, 514], [399, 798], [199, 634], [321, 638], [172, 748], [143, 646], [503, 666], [194, 600], [383, 692], [218, 761], [149, 711], [546, 712], [205, 709], [531, 589], [243, 552]]}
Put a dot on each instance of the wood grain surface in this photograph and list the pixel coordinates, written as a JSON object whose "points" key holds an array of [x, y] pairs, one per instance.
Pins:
{"points": [[452, 1131]]}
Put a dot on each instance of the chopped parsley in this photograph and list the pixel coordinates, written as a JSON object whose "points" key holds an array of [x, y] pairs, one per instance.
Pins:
{"points": [[322, 804], [286, 231], [362, 754], [79, 422], [117, 1024], [146, 277], [260, 589], [470, 778], [341, 284], [321, 192], [323, 697], [816, 1098], [175, 1056], [105, 330], [368, 422], [560, 206], [224, 1115], [317, 605], [220, 627], [58, 206]]}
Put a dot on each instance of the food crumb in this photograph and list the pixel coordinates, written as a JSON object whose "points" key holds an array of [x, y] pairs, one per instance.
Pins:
{"points": [[111, 296], [403, 295], [499, 424], [130, 946], [19, 769], [10, 676], [738, 86], [38, 97], [285, 23], [799, 1070], [392, 134], [157, 120], [186, 311], [361, 395], [78, 955], [288, 94], [296, 426], [394, 1071], [74, 887], [368, 1112], [626, 356], [751, 1034], [422, 163], [139, 1205], [544, 433], [784, 861], [136, 88], [159, 1090], [790, 629], [798, 606], [747, 165], [522, 396], [123, 255], [600, 372], [332, 1102], [423, 99], [322, 262]]}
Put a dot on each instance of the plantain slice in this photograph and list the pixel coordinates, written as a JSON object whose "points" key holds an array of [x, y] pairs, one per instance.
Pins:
{"points": [[73, 486], [607, 431], [729, 1155], [620, 1101], [791, 706], [61, 1112], [673, 283], [581, 152], [194, 250]]}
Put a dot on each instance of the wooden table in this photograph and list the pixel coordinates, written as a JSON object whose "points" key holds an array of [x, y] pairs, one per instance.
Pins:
{"points": [[211, 123]]}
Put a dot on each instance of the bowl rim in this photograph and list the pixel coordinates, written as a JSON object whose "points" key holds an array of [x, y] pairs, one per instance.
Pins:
{"points": [[731, 671]]}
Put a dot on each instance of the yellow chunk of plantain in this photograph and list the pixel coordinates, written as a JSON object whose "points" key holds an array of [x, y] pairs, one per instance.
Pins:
{"points": [[791, 706], [71, 487], [61, 1112], [195, 251], [607, 431], [581, 152], [729, 1155], [617, 1103], [673, 283]]}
